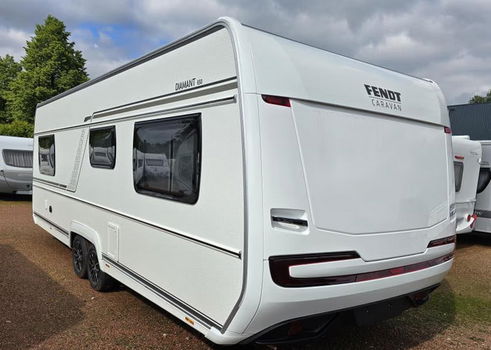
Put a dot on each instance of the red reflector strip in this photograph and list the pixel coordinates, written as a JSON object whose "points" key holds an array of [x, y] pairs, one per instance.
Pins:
{"points": [[277, 100], [279, 267], [459, 157], [442, 241], [447, 130]]}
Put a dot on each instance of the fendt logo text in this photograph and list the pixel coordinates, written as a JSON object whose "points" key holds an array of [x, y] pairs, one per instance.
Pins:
{"points": [[384, 98]]}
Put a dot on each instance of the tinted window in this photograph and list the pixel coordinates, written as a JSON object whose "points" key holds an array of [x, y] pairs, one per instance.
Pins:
{"points": [[47, 155], [103, 147], [484, 179], [459, 171], [166, 158]]}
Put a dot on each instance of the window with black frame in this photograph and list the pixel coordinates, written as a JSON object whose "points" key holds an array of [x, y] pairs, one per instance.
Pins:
{"points": [[459, 172], [166, 158], [102, 143], [46, 154], [484, 179]]}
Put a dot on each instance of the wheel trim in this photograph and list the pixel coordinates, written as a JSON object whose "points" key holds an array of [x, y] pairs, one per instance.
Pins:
{"points": [[94, 268], [78, 255]]}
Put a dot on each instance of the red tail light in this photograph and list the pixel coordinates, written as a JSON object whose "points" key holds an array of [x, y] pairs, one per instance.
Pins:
{"points": [[447, 130], [277, 100], [442, 241], [459, 157], [280, 269]]}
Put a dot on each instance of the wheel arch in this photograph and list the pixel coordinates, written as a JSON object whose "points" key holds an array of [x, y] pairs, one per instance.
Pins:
{"points": [[85, 231]]}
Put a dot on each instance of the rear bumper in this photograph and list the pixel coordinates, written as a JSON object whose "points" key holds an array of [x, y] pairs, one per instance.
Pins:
{"points": [[280, 304], [316, 326], [465, 221]]}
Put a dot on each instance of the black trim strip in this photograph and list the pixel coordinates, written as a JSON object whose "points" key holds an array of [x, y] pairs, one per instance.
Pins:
{"points": [[56, 184], [202, 318], [163, 229], [65, 232], [144, 115], [154, 54], [486, 214], [299, 222]]}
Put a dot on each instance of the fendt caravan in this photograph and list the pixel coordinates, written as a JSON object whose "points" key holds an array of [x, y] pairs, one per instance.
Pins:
{"points": [[256, 186], [483, 203], [467, 160], [15, 165]]}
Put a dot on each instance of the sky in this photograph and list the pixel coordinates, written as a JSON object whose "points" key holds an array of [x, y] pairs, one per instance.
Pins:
{"points": [[448, 41]]}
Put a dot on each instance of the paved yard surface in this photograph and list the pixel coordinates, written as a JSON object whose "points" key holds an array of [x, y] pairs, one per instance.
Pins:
{"points": [[43, 305]]}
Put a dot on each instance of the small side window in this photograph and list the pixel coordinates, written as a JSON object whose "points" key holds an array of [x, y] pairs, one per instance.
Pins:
{"points": [[102, 143], [459, 171], [47, 155], [484, 179]]}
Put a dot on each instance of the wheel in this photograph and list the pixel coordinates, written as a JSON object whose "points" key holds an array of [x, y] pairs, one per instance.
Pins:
{"points": [[79, 256], [99, 280]]}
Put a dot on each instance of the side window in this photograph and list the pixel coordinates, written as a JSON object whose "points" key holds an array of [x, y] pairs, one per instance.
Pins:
{"points": [[47, 155], [166, 158], [459, 171], [484, 179], [102, 144]]}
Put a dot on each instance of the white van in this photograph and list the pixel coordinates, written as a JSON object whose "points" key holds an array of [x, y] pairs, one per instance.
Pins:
{"points": [[483, 203], [467, 160], [15, 165], [293, 184]]}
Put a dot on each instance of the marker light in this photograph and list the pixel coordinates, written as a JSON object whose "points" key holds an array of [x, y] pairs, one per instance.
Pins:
{"points": [[277, 100], [447, 130]]}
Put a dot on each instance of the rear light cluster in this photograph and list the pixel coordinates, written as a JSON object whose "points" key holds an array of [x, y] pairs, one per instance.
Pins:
{"points": [[442, 241], [280, 268], [447, 130]]}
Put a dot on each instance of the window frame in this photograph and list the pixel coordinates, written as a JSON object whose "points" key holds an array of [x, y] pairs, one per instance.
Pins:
{"points": [[54, 154], [198, 166], [112, 128]]}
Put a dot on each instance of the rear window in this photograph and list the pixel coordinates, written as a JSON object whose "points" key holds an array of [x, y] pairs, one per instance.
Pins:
{"points": [[17, 158], [47, 155], [459, 171], [484, 179], [103, 147], [166, 158]]}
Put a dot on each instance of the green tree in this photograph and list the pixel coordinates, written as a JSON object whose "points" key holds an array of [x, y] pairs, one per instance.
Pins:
{"points": [[17, 128], [51, 66], [481, 99], [8, 71]]}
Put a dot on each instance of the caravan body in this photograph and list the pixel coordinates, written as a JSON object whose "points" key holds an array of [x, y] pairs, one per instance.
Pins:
{"points": [[483, 203], [15, 165], [467, 160], [254, 181]]}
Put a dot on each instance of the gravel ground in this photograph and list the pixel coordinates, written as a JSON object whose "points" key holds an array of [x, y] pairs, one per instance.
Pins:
{"points": [[43, 305]]}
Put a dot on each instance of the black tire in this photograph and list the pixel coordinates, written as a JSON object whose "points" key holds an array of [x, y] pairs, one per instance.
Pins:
{"points": [[99, 280], [79, 256]]}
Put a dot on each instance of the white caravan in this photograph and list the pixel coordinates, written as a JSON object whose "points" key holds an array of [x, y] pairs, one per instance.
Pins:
{"points": [[294, 184], [467, 159], [483, 203], [15, 165]]}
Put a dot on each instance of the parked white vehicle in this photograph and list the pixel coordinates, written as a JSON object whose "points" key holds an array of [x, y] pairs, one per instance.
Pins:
{"points": [[483, 203], [15, 165], [296, 184], [467, 160]]}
